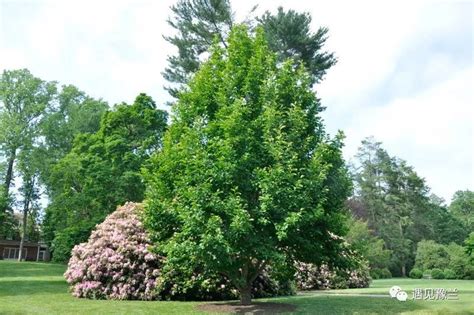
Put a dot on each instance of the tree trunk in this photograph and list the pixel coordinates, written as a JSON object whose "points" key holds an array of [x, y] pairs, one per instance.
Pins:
{"points": [[26, 207], [404, 270], [246, 295], [9, 174], [8, 180], [25, 221]]}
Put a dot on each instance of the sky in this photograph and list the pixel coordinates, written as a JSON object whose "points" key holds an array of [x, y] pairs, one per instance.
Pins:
{"points": [[404, 73]]}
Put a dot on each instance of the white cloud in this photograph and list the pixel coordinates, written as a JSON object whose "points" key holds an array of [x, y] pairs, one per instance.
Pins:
{"points": [[433, 131]]}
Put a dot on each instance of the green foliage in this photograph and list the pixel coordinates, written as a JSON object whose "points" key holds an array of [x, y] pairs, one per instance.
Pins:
{"points": [[449, 274], [23, 100], [431, 255], [469, 245], [199, 22], [459, 262], [369, 246], [67, 238], [443, 226], [37, 126], [102, 170], [394, 202], [72, 114], [246, 167], [380, 273], [437, 273], [416, 273], [462, 206], [202, 286], [289, 35]]}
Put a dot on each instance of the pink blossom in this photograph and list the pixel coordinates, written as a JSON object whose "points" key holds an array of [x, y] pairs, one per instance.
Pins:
{"points": [[115, 263]]}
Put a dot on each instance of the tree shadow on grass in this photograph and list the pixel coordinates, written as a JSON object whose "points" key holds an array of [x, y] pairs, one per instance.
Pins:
{"points": [[350, 305], [255, 308]]}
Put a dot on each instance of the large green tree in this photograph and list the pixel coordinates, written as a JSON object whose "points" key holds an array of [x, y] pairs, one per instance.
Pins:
{"points": [[247, 177], [101, 172], [23, 100], [198, 22]]}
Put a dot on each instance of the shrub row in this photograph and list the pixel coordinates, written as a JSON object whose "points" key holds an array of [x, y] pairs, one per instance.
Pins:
{"points": [[115, 263], [441, 261]]}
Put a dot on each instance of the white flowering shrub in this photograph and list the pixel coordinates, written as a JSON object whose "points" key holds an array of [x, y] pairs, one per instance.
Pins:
{"points": [[312, 277], [115, 263]]}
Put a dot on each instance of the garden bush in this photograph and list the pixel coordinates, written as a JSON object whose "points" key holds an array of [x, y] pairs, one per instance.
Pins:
{"points": [[416, 273], [439, 256], [437, 273], [312, 277], [450, 274], [380, 273], [115, 262], [459, 262]]}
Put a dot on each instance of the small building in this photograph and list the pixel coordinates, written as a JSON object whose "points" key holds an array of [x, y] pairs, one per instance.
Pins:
{"points": [[10, 249]]}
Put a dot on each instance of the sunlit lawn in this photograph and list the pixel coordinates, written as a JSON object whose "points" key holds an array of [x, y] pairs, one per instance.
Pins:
{"points": [[36, 288]]}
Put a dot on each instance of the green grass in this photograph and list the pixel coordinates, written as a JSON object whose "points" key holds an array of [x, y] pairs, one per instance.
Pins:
{"points": [[39, 288]]}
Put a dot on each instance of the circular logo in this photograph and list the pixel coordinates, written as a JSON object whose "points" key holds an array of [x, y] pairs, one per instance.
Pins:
{"points": [[394, 290], [402, 296]]}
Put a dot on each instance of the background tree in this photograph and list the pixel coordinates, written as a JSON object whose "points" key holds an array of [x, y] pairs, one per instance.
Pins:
{"points": [[197, 22], [101, 171], [444, 226], [370, 247], [28, 169], [469, 245], [72, 113], [394, 201], [462, 207], [23, 99], [246, 167]]}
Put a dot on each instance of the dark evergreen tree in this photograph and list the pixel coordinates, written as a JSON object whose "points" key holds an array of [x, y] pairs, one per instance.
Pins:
{"points": [[198, 22]]}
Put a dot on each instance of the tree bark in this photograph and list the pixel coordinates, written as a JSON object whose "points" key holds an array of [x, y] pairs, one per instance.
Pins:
{"points": [[246, 295], [23, 234], [26, 208], [9, 175], [8, 179]]}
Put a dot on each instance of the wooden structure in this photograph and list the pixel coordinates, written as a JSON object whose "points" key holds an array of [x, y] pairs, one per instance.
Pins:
{"points": [[10, 249]]}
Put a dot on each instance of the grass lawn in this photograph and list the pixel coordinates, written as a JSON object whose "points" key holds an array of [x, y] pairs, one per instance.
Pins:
{"points": [[39, 288]]}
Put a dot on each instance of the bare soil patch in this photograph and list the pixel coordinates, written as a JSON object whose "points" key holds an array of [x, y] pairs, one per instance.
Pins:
{"points": [[254, 308]]}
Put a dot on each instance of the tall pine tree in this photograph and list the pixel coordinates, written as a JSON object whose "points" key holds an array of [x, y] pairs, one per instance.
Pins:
{"points": [[198, 22]]}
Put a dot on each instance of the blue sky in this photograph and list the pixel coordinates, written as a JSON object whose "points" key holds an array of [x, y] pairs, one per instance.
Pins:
{"points": [[404, 76]]}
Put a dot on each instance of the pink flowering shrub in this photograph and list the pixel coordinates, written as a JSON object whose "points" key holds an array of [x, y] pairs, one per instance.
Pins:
{"points": [[115, 263]]}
